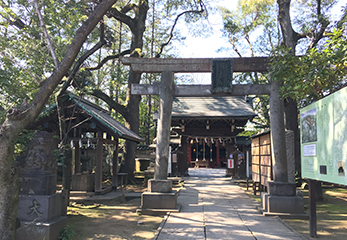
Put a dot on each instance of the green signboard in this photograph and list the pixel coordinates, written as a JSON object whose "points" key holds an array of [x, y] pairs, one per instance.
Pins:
{"points": [[323, 130]]}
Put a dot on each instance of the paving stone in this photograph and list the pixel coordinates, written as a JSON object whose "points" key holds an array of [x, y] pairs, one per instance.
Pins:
{"points": [[213, 207]]}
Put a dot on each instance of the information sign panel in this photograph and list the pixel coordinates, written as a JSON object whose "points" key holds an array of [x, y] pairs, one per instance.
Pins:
{"points": [[323, 130]]}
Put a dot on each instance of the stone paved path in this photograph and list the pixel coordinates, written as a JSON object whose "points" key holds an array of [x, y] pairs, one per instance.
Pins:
{"points": [[213, 207]]}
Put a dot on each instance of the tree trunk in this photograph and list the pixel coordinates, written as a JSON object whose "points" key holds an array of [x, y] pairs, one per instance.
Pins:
{"points": [[290, 38], [18, 119], [8, 188], [133, 121]]}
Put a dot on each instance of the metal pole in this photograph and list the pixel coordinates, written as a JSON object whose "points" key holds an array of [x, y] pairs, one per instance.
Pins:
{"points": [[313, 212]]}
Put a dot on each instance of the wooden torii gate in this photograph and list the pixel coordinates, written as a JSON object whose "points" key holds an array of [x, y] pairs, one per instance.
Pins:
{"points": [[166, 90]]}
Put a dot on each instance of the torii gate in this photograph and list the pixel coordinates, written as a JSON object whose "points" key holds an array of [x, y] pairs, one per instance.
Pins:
{"points": [[166, 89]]}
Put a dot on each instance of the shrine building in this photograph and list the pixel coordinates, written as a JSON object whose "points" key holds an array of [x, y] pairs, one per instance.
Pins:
{"points": [[208, 127]]}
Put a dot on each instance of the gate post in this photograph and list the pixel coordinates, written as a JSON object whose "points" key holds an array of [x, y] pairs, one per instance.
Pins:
{"points": [[164, 124], [278, 140], [281, 198]]}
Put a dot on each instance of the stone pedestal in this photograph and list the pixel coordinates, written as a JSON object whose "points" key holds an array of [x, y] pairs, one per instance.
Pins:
{"points": [[281, 200], [40, 209], [159, 199], [41, 230]]}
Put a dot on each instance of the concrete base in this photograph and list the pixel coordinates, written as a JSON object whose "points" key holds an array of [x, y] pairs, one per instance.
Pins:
{"points": [[286, 206], [152, 200], [41, 230], [156, 212], [302, 216], [154, 203]]}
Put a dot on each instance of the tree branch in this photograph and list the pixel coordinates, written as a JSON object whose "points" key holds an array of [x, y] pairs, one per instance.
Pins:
{"points": [[324, 24], [129, 7], [2, 54], [235, 48], [122, 17], [44, 29], [79, 62], [108, 58], [51, 83], [290, 37], [174, 25], [114, 105]]}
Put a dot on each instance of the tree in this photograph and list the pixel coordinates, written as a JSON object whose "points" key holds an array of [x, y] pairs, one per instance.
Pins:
{"points": [[133, 15], [314, 28], [319, 72], [251, 30], [18, 118]]}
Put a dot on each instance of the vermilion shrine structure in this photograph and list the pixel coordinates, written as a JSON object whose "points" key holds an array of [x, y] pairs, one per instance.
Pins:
{"points": [[281, 196]]}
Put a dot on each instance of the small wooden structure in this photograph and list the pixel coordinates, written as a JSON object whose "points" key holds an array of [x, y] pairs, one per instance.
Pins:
{"points": [[261, 161], [87, 128], [262, 165]]}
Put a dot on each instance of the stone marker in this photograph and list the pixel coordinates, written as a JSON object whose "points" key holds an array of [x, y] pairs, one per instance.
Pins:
{"points": [[40, 208]]}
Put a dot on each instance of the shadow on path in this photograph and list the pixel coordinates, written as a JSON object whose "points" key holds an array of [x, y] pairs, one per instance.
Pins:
{"points": [[213, 207]]}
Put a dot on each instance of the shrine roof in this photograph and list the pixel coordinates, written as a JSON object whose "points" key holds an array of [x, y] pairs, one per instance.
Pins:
{"points": [[105, 119], [212, 107], [98, 115]]}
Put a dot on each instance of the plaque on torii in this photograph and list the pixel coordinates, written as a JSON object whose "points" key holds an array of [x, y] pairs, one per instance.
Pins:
{"points": [[220, 68]]}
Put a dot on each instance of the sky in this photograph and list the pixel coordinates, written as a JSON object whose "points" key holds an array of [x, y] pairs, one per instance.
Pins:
{"points": [[199, 47]]}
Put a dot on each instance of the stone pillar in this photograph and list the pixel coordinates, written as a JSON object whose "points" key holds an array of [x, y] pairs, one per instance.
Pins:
{"points": [[281, 199], [278, 140], [183, 163], [160, 198], [40, 209], [164, 124]]}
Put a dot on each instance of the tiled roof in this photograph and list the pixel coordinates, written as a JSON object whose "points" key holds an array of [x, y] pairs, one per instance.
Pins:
{"points": [[103, 118], [212, 107]]}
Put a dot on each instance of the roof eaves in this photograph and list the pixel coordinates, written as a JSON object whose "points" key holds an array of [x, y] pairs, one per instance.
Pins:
{"points": [[97, 117]]}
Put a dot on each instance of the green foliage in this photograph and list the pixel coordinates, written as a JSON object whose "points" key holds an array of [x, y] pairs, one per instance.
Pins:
{"points": [[22, 142], [247, 133], [25, 60], [244, 25], [310, 77], [66, 233]]}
